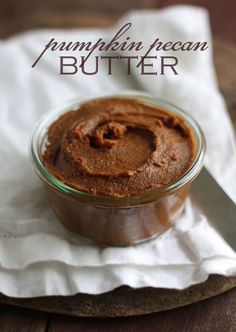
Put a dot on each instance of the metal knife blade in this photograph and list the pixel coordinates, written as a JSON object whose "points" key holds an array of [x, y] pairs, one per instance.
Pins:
{"points": [[216, 205]]}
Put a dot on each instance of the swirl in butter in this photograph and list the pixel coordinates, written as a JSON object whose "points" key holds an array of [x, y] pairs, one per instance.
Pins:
{"points": [[118, 147]]}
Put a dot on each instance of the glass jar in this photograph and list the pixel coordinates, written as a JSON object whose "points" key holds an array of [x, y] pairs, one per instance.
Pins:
{"points": [[117, 220]]}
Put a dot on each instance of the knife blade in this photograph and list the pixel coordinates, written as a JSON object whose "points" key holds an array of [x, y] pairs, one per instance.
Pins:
{"points": [[220, 210]]}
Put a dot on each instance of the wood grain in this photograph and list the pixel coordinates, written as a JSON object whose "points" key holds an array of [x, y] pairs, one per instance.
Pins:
{"points": [[221, 14], [17, 16], [11, 320], [225, 64], [215, 314], [61, 13]]}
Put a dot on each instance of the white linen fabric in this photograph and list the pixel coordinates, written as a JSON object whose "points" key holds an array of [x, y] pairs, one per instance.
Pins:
{"points": [[38, 256]]}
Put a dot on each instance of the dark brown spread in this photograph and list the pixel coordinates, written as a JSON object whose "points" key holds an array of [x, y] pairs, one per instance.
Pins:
{"points": [[118, 147]]}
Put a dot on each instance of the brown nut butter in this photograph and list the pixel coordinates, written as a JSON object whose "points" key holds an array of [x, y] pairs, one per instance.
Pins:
{"points": [[118, 147], [115, 167]]}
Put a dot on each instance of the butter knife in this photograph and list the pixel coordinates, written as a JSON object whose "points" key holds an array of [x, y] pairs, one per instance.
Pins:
{"points": [[220, 210]]}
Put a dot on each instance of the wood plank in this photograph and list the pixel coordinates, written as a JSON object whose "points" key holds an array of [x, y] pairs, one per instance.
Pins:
{"points": [[18, 16], [59, 13], [13, 319], [222, 15], [225, 63]]}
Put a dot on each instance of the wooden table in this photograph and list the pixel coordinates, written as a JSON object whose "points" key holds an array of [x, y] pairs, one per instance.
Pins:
{"points": [[215, 314]]}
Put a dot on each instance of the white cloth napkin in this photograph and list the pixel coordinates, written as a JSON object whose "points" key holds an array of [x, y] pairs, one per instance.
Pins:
{"points": [[37, 255]]}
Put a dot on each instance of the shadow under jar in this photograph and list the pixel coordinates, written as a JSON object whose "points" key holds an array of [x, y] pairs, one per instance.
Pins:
{"points": [[118, 168]]}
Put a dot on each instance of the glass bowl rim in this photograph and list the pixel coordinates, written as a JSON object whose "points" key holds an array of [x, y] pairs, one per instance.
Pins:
{"points": [[148, 196]]}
